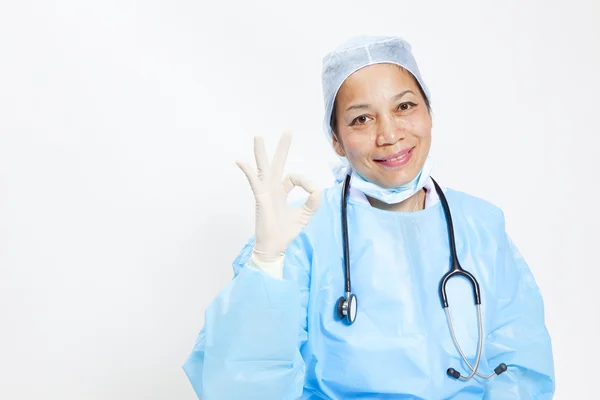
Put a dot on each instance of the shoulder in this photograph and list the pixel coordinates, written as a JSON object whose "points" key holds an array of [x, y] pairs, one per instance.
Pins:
{"points": [[475, 209]]}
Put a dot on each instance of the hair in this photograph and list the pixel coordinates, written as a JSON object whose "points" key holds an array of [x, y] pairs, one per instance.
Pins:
{"points": [[333, 120]]}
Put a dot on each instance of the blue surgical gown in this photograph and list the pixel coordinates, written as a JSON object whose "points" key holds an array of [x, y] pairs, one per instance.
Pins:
{"points": [[265, 338]]}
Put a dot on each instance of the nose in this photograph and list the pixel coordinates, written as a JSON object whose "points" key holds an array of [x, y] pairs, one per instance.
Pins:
{"points": [[390, 130]]}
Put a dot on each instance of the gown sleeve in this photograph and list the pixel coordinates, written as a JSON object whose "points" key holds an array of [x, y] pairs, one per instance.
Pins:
{"points": [[518, 337], [249, 346]]}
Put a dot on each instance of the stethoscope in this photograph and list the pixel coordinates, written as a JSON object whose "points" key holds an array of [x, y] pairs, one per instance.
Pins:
{"points": [[347, 306]]}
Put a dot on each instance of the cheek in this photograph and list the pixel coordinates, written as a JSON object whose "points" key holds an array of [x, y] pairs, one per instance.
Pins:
{"points": [[358, 144], [421, 127]]}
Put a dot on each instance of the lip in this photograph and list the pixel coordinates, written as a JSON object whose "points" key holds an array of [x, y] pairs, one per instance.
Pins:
{"points": [[398, 154], [388, 162]]}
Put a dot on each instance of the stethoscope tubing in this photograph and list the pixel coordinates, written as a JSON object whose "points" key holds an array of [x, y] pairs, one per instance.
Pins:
{"points": [[346, 307]]}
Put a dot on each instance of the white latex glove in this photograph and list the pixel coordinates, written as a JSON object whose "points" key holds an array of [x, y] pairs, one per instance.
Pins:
{"points": [[277, 224]]}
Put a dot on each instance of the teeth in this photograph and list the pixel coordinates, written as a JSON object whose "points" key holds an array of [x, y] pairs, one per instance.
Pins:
{"points": [[397, 158]]}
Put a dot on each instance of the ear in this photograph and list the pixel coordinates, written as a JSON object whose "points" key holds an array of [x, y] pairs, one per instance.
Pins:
{"points": [[337, 145]]}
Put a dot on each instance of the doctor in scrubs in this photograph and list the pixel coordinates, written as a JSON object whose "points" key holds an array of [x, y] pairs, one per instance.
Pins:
{"points": [[274, 331]]}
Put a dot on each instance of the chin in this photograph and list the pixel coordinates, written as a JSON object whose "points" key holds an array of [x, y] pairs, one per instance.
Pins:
{"points": [[399, 178]]}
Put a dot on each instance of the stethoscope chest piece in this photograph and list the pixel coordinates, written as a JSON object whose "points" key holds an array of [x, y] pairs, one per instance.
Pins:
{"points": [[347, 308]]}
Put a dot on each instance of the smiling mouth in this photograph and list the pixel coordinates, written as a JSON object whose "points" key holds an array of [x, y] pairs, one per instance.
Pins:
{"points": [[397, 160], [402, 157], [398, 156]]}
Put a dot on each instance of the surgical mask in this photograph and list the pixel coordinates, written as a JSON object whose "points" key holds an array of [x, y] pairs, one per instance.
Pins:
{"points": [[397, 194]]}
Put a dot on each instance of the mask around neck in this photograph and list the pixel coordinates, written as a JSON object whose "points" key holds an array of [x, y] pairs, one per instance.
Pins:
{"points": [[393, 195]]}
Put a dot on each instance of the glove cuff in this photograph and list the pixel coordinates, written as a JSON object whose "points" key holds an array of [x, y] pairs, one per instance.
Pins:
{"points": [[272, 266]]}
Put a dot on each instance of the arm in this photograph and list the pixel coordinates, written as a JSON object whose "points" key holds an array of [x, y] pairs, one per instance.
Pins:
{"points": [[249, 345], [519, 337]]}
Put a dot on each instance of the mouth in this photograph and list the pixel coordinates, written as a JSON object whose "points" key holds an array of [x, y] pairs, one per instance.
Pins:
{"points": [[396, 160]]}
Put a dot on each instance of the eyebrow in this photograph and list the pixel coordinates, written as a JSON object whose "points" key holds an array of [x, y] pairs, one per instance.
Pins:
{"points": [[363, 106]]}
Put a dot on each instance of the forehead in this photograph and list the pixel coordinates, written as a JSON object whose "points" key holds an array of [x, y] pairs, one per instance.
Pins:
{"points": [[377, 77]]}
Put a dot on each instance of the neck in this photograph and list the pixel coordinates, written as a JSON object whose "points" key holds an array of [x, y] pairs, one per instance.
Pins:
{"points": [[414, 203]]}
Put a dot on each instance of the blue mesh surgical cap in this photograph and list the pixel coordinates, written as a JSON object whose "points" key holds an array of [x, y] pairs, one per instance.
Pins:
{"points": [[359, 52]]}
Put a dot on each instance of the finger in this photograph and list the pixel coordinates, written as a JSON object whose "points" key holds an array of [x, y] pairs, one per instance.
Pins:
{"points": [[287, 184], [293, 180], [281, 155], [262, 161], [313, 202], [250, 174], [303, 182]]}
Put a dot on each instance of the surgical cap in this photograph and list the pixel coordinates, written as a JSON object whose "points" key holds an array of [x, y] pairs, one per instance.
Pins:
{"points": [[359, 52]]}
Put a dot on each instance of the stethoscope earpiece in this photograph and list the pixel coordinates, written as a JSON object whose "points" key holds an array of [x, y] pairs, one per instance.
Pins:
{"points": [[452, 373], [500, 369]]}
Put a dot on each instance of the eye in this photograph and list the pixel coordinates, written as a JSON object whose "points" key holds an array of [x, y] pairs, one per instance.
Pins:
{"points": [[406, 106], [361, 119]]}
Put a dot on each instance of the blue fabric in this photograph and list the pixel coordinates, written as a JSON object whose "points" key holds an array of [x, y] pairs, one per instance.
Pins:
{"points": [[280, 339]]}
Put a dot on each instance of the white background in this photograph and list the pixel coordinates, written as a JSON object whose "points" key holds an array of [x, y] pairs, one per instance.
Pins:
{"points": [[121, 208]]}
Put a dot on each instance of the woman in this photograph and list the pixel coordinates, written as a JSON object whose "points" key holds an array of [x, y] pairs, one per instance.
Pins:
{"points": [[279, 330]]}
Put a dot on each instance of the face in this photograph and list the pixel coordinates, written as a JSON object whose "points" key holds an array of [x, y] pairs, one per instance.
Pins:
{"points": [[383, 125]]}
